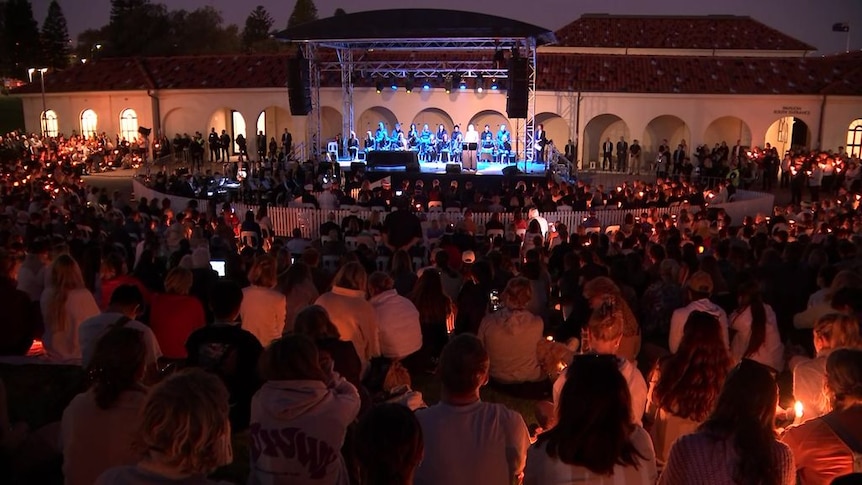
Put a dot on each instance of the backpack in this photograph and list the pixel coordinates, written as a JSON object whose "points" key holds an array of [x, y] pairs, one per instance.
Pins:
{"points": [[847, 439]]}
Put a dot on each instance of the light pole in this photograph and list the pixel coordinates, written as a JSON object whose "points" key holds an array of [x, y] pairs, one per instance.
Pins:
{"points": [[44, 117]]}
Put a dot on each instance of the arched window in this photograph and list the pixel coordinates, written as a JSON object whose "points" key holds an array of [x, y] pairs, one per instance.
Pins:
{"points": [[49, 123], [89, 123], [854, 137], [129, 124]]}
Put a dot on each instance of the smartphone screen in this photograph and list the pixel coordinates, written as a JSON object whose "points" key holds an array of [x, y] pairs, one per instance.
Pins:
{"points": [[218, 266]]}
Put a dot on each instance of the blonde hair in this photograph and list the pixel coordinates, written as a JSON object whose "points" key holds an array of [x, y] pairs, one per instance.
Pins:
{"points": [[601, 285], [65, 277], [606, 323], [179, 281], [517, 294], [185, 419], [838, 330], [263, 272], [351, 276]]}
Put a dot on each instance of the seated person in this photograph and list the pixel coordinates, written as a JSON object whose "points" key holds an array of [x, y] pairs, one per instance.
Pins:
{"points": [[229, 351], [511, 336]]}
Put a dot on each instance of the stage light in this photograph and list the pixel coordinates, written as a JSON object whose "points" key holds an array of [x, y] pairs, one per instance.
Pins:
{"points": [[408, 83], [494, 85], [379, 86], [426, 85], [394, 84], [462, 84], [480, 83]]}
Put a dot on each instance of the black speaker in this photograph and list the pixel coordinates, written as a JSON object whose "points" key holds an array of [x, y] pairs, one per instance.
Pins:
{"points": [[511, 171], [518, 93], [298, 86], [356, 167], [413, 167], [453, 168]]}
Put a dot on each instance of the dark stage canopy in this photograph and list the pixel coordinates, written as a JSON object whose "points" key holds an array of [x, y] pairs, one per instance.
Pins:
{"points": [[392, 28]]}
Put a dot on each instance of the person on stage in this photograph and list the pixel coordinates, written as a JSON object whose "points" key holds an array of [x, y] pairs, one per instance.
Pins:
{"points": [[397, 132], [441, 133], [425, 145], [412, 137], [400, 142], [369, 141], [380, 137], [457, 140], [504, 144], [471, 139], [353, 146], [539, 142]]}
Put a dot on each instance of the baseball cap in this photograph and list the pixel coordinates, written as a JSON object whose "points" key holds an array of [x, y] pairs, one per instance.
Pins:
{"points": [[700, 282], [468, 257]]}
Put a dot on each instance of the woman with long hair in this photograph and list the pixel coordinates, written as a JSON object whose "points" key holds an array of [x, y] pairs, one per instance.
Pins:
{"points": [[263, 309], [20, 316], [684, 387], [398, 445], [601, 290], [175, 314], [756, 327], [299, 292], [65, 303], [313, 322], [98, 427], [184, 433], [832, 331], [605, 334], [594, 440], [737, 442], [824, 448], [350, 311], [435, 309], [402, 272]]}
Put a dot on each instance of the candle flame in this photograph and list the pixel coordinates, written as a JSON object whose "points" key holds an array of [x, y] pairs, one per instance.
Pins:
{"points": [[797, 409]]}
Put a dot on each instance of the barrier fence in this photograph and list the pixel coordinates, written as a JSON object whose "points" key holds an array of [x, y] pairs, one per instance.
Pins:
{"points": [[309, 220]]}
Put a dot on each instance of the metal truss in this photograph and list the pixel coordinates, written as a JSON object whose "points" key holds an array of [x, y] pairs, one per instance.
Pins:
{"points": [[440, 44], [345, 58]]}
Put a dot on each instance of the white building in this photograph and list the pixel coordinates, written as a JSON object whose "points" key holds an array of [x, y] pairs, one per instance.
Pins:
{"points": [[700, 79]]}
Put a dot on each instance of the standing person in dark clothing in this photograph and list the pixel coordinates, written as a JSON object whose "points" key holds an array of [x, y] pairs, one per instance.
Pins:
{"points": [[402, 229], [622, 154], [224, 144], [797, 182], [19, 315], [215, 149], [242, 144], [286, 143], [228, 351], [261, 146]]}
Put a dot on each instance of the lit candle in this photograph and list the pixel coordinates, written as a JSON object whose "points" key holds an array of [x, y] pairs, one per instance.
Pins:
{"points": [[797, 409], [549, 338]]}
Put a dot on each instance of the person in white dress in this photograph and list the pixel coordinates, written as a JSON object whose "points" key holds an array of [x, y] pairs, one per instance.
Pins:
{"points": [[65, 303], [756, 328]]}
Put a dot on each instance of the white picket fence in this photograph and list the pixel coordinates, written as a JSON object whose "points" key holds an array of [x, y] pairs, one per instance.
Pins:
{"points": [[308, 220]]}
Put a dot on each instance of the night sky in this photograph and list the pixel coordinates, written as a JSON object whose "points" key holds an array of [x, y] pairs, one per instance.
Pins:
{"points": [[808, 20]]}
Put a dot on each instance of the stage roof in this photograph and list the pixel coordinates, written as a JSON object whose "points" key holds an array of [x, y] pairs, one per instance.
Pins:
{"points": [[407, 28]]}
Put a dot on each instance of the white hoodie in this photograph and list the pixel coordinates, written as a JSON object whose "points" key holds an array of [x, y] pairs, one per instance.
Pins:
{"points": [[680, 316], [297, 431]]}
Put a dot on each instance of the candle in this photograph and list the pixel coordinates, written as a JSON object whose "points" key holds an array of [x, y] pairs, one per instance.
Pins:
{"points": [[549, 338], [797, 409]]}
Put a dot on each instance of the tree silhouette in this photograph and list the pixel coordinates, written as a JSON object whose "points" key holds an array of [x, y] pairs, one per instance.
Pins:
{"points": [[304, 11], [21, 39], [339, 12], [256, 35], [55, 37]]}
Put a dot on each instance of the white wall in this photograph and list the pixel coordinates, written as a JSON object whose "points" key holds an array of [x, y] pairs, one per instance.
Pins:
{"points": [[191, 110]]}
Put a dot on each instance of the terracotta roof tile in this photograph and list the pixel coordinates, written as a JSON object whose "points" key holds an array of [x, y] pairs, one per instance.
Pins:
{"points": [[664, 32]]}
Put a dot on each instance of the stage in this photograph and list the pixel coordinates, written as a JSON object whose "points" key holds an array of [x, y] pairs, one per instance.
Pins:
{"points": [[483, 168]]}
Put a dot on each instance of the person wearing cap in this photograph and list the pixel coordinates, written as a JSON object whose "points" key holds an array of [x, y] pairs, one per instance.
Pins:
{"points": [[698, 289]]}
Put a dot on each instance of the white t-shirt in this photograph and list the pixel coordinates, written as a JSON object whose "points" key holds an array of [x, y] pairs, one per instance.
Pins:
{"points": [[680, 316], [92, 329], [263, 311], [63, 346], [477, 444], [770, 353], [398, 324]]}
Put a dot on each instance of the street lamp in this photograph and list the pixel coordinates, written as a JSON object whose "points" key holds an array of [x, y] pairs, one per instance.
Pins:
{"points": [[44, 117]]}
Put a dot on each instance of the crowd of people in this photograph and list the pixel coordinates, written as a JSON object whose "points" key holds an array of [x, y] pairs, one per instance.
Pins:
{"points": [[674, 350]]}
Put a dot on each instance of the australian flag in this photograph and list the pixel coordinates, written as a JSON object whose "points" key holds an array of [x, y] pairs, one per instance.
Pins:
{"points": [[841, 27]]}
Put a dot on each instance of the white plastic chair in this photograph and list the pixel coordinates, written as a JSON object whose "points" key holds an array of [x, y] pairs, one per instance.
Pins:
{"points": [[612, 229], [351, 242], [248, 238], [591, 230], [494, 233]]}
